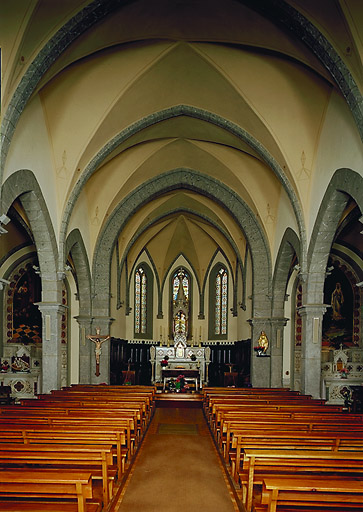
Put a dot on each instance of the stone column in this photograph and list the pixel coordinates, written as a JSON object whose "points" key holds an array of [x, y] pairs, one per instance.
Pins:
{"points": [[51, 344], [312, 321], [260, 366], [85, 323], [104, 324], [276, 348]]}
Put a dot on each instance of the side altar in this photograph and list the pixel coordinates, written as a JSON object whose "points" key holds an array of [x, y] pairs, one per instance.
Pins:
{"points": [[180, 357]]}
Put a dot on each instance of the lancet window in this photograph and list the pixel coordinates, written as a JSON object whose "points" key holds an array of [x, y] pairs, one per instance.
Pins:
{"points": [[141, 283], [221, 298], [181, 297]]}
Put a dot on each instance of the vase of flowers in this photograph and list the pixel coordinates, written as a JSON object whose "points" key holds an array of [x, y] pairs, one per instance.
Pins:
{"points": [[181, 386], [164, 363], [344, 372]]}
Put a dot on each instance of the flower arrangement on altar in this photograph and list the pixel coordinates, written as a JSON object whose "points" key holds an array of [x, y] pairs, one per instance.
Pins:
{"points": [[165, 361], [344, 372], [179, 384]]}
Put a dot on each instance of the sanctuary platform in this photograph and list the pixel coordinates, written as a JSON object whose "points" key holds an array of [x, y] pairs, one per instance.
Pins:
{"points": [[187, 400]]}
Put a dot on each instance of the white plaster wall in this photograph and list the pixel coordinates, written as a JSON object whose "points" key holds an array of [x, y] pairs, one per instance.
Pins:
{"points": [[244, 328], [288, 334], [118, 326], [31, 149], [73, 332], [340, 147], [285, 218]]}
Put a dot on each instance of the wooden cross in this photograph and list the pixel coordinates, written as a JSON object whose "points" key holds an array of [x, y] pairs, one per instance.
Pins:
{"points": [[98, 340]]}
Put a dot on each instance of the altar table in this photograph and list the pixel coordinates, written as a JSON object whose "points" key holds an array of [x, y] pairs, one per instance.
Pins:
{"points": [[189, 375]]}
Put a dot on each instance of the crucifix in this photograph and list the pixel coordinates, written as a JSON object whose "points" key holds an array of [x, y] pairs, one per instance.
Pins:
{"points": [[98, 340]]}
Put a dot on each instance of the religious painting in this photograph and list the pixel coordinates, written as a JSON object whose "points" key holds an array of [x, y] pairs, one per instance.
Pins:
{"points": [[26, 317], [338, 319]]}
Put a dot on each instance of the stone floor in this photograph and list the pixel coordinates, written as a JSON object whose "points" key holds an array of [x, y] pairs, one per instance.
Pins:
{"points": [[177, 468]]}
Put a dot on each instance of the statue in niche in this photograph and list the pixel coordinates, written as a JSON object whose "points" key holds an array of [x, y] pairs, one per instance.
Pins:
{"points": [[263, 342], [337, 300]]}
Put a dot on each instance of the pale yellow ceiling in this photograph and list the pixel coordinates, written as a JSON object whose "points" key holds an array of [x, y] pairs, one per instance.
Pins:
{"points": [[222, 59]]}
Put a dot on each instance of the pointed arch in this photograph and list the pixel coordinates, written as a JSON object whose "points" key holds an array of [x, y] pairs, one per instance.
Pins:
{"points": [[218, 302], [203, 115], [23, 185], [76, 248], [278, 10], [143, 300], [345, 183], [290, 245], [204, 185]]}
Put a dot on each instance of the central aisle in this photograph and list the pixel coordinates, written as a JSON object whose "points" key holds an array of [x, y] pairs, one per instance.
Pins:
{"points": [[177, 468]]}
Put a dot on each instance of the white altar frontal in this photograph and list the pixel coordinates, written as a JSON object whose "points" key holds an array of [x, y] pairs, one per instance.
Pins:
{"points": [[180, 356], [341, 373]]}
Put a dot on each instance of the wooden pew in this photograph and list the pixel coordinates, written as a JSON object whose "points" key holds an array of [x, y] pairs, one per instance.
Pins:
{"points": [[27, 434], [325, 493], [231, 422], [339, 442], [125, 418], [146, 402], [98, 460], [259, 464], [38, 490]]}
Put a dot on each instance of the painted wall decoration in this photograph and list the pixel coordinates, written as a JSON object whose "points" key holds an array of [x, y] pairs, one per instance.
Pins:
{"points": [[24, 318], [338, 319]]}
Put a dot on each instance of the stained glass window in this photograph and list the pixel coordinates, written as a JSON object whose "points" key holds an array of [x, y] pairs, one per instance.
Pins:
{"points": [[221, 294], [181, 296], [182, 276], [140, 301]]}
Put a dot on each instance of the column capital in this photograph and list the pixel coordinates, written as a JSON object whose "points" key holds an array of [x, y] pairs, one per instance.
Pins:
{"points": [[102, 321], [259, 320], [279, 321], [84, 320], [51, 307], [312, 309]]}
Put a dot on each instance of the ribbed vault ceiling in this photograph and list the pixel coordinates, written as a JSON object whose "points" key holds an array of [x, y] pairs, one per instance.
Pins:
{"points": [[222, 58]]}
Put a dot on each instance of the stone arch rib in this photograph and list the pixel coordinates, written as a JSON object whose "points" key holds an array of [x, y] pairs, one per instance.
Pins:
{"points": [[66, 35], [186, 110], [283, 13], [290, 244], [192, 180], [278, 10], [23, 185], [343, 184], [75, 247]]}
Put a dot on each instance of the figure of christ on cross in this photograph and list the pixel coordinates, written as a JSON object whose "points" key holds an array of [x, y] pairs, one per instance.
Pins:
{"points": [[98, 340]]}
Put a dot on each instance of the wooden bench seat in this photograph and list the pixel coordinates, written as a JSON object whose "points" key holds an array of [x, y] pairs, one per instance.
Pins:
{"points": [[96, 459], [110, 435], [259, 464], [225, 434], [126, 419], [47, 490], [83, 400], [289, 440], [326, 494]]}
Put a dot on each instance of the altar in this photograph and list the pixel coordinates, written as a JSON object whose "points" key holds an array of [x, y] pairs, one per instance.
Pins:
{"points": [[189, 376], [341, 374], [181, 358], [178, 355]]}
